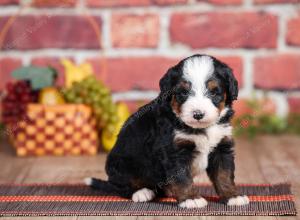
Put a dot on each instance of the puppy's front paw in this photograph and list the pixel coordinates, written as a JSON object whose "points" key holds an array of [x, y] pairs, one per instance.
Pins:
{"points": [[193, 203], [143, 195], [239, 200]]}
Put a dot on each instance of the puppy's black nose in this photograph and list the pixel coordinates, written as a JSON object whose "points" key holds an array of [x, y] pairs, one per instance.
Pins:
{"points": [[198, 115]]}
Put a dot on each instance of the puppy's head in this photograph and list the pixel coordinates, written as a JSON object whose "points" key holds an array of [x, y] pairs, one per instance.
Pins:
{"points": [[199, 88]]}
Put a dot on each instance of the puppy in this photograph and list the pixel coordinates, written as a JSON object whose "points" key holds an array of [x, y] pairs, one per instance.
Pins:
{"points": [[183, 132]]}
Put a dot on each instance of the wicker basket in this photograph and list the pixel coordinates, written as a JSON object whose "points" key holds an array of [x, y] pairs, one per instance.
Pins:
{"points": [[55, 130]]}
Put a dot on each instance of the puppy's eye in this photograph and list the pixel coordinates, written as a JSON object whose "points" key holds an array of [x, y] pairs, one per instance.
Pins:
{"points": [[213, 92], [185, 93], [180, 91]]}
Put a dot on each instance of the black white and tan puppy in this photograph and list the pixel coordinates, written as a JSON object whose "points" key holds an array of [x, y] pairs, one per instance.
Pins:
{"points": [[183, 132]]}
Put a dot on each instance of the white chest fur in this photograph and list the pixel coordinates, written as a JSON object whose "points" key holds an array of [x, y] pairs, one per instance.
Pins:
{"points": [[205, 143]]}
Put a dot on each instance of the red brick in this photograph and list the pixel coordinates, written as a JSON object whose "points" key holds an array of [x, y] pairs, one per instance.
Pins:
{"points": [[144, 73], [135, 30], [129, 3], [275, 1], [293, 32], [54, 3], [225, 30], [9, 2], [124, 74], [277, 72], [34, 32], [117, 3], [52, 62], [169, 2], [7, 65], [294, 104], [223, 2]]}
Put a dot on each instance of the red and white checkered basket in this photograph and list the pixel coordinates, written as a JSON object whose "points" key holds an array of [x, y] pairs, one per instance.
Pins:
{"points": [[55, 130]]}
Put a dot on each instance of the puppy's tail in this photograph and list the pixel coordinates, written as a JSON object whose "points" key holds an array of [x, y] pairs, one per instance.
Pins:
{"points": [[102, 185]]}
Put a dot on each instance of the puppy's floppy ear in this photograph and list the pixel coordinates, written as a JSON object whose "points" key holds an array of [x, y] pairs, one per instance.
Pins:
{"points": [[231, 84], [169, 80]]}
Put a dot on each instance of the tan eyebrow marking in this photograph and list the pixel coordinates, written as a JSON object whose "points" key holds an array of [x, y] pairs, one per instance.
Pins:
{"points": [[212, 84], [185, 84]]}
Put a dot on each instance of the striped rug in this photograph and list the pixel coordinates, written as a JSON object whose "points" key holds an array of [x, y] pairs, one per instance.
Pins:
{"points": [[76, 199]]}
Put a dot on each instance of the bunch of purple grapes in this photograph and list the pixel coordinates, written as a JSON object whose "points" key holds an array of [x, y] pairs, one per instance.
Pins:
{"points": [[18, 95]]}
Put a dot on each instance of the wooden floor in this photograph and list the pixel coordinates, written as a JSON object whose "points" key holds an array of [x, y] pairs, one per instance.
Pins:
{"points": [[264, 160]]}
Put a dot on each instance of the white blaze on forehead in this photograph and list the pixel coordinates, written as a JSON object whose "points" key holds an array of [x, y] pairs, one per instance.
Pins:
{"points": [[197, 70]]}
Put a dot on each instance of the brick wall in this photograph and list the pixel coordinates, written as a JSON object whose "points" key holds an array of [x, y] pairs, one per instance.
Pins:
{"points": [[140, 39]]}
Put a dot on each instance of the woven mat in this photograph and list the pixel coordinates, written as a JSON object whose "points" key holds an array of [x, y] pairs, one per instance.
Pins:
{"points": [[69, 200]]}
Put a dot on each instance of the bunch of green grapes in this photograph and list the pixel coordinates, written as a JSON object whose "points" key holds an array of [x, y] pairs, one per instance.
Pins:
{"points": [[94, 93]]}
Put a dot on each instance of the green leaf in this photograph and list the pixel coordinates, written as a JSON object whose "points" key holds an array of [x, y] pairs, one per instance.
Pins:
{"points": [[39, 77]]}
